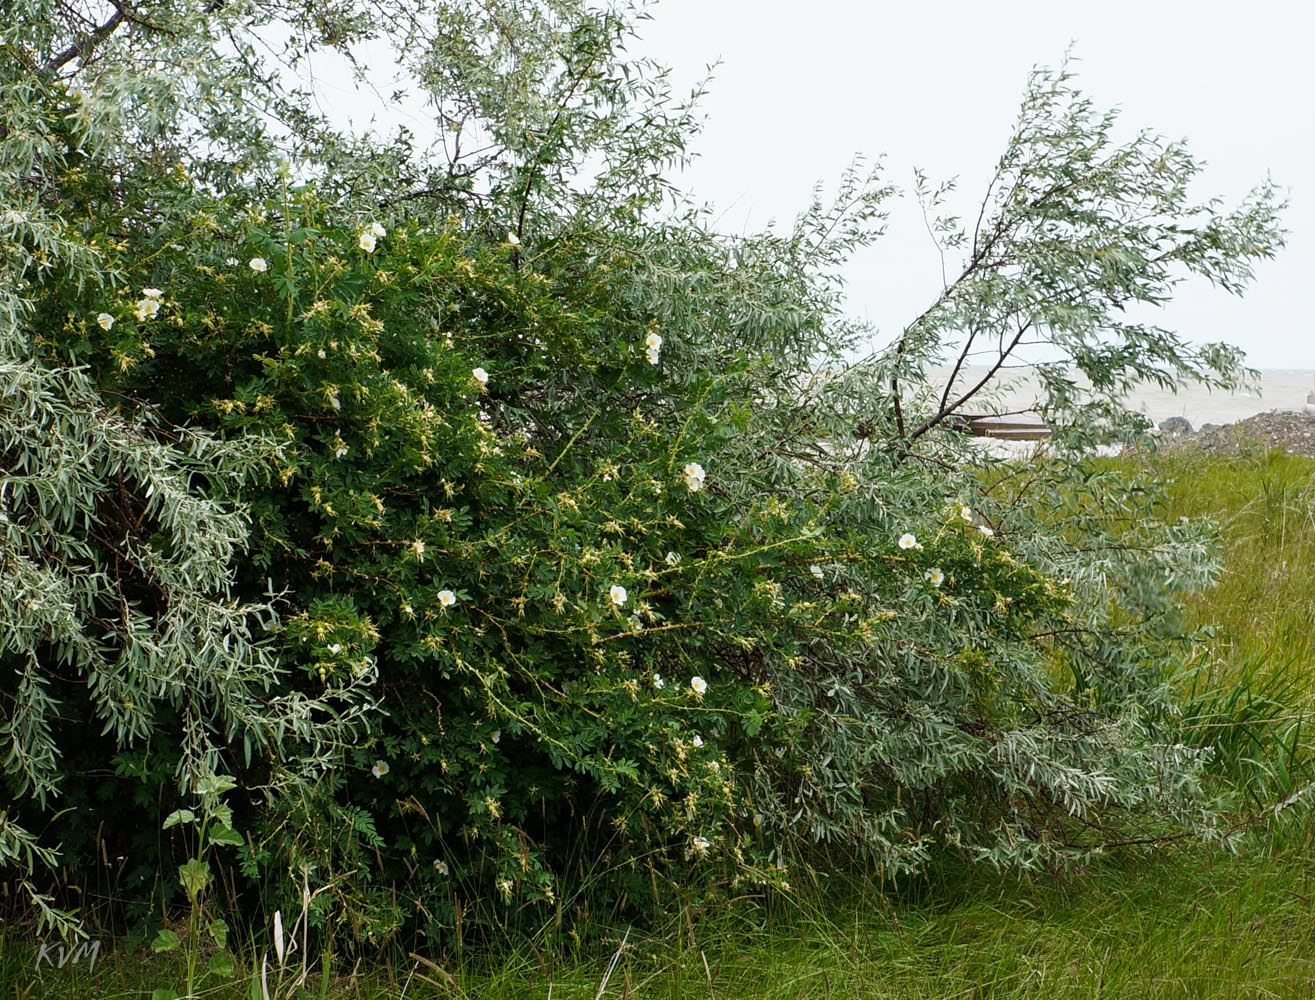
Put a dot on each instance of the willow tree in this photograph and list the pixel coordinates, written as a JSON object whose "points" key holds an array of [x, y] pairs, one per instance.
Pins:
{"points": [[119, 530]]}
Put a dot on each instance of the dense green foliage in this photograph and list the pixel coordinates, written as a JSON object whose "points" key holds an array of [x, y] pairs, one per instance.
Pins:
{"points": [[644, 576], [1190, 921]]}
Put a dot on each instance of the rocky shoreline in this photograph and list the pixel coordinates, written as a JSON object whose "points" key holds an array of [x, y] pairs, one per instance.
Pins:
{"points": [[1292, 431]]}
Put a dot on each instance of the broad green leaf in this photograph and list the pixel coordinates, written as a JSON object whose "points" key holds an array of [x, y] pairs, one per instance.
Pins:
{"points": [[224, 835], [179, 816], [222, 965], [194, 876], [218, 931]]}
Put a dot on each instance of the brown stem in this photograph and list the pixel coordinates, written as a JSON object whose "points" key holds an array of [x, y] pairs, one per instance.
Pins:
{"points": [[944, 412], [84, 45]]}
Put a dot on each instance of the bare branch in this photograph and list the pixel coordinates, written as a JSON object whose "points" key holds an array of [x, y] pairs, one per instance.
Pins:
{"points": [[85, 44]]}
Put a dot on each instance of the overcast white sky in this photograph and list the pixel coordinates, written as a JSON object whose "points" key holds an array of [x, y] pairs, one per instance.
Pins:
{"points": [[803, 86]]}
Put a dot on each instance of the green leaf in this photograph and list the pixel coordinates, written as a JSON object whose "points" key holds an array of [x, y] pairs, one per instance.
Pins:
{"points": [[194, 876], [218, 931], [163, 993], [222, 965], [164, 941], [224, 835], [179, 816], [215, 784]]}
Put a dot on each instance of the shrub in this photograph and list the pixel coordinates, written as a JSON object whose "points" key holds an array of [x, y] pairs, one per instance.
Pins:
{"points": [[639, 567]]}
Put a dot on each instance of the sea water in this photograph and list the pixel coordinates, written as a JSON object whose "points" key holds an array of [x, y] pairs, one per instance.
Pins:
{"points": [[1278, 389]]}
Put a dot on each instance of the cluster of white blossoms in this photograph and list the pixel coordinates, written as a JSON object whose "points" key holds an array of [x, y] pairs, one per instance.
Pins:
{"points": [[652, 345], [147, 306], [694, 476], [908, 540], [966, 513], [370, 236]]}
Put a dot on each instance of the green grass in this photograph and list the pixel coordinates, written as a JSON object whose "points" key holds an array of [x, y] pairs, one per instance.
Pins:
{"points": [[1264, 604], [1184, 922], [1196, 923]]}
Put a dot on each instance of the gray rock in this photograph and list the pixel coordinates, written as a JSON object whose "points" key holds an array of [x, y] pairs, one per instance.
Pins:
{"points": [[1175, 426]]}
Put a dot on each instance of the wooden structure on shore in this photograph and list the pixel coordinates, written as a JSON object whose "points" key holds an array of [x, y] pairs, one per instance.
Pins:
{"points": [[1006, 429]]}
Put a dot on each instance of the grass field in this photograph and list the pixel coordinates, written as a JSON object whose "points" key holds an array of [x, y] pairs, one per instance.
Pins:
{"points": [[1186, 921]]}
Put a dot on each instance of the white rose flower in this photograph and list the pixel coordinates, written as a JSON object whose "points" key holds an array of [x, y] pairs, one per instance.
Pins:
{"points": [[152, 293], [697, 741], [446, 598], [816, 570], [618, 594], [378, 230], [105, 321], [366, 241], [480, 376], [380, 768], [658, 682], [672, 559], [908, 540], [986, 530], [258, 265], [934, 576], [698, 685], [694, 476]]}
